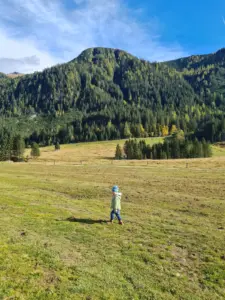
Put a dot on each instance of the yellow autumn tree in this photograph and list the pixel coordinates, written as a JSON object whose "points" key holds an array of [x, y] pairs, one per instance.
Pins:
{"points": [[165, 130], [142, 131], [173, 129]]}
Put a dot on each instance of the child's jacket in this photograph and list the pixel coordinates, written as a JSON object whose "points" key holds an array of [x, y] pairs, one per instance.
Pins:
{"points": [[116, 201]]}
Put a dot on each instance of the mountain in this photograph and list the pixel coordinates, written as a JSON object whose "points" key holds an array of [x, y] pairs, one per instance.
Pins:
{"points": [[197, 61], [108, 93], [98, 77]]}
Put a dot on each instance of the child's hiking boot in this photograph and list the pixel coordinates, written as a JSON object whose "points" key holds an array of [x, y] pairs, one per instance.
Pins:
{"points": [[121, 222], [110, 222]]}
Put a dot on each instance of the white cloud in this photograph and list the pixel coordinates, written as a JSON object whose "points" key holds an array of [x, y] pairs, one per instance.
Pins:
{"points": [[51, 33], [22, 55]]}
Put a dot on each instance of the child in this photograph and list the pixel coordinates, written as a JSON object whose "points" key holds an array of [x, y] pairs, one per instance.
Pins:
{"points": [[116, 205]]}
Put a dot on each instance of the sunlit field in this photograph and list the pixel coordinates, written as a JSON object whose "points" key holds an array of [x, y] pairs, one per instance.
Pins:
{"points": [[55, 242]]}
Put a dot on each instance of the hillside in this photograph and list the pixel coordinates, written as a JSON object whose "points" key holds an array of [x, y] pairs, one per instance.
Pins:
{"points": [[205, 73], [110, 94], [197, 61], [97, 78]]}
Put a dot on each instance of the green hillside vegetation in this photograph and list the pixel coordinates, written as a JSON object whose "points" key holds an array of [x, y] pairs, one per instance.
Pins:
{"points": [[2, 75], [172, 148], [109, 94], [205, 73]]}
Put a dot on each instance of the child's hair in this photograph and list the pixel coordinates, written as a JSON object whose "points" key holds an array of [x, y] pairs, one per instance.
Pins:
{"points": [[115, 189]]}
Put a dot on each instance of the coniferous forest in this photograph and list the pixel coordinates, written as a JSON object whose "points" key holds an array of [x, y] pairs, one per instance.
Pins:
{"points": [[109, 94], [174, 147]]}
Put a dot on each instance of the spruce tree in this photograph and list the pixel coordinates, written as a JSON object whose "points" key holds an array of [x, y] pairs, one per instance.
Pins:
{"points": [[148, 152], [35, 151], [119, 153], [197, 148], [5, 145], [163, 155], [137, 151], [126, 132], [154, 152], [207, 149], [18, 146], [167, 149], [175, 148], [57, 146]]}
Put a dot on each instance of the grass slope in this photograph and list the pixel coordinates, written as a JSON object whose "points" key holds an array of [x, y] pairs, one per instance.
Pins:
{"points": [[99, 152], [102, 152], [52, 245]]}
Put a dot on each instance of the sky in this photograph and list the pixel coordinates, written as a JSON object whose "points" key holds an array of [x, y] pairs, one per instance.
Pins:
{"points": [[36, 34]]}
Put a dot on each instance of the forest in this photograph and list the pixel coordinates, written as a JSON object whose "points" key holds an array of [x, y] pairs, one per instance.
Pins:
{"points": [[174, 147], [107, 94]]}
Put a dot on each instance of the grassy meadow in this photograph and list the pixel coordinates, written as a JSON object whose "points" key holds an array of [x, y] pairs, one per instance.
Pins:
{"points": [[98, 152], [55, 242]]}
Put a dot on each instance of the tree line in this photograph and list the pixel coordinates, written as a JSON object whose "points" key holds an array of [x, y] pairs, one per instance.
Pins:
{"points": [[13, 147], [172, 148]]}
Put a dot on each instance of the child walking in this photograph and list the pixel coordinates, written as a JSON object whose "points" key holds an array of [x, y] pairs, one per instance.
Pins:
{"points": [[116, 205]]}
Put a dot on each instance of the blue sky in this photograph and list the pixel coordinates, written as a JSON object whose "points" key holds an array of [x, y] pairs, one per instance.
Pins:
{"points": [[35, 34]]}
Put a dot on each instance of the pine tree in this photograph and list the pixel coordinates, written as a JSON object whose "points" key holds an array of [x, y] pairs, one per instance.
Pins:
{"points": [[148, 152], [57, 146], [119, 153], [5, 145], [35, 151], [128, 149], [18, 146], [197, 148], [167, 149], [175, 153], [154, 152], [137, 151], [173, 129], [207, 149], [163, 155], [126, 132]]}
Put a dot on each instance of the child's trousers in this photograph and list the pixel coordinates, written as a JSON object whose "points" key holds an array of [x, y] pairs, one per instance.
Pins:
{"points": [[117, 213]]}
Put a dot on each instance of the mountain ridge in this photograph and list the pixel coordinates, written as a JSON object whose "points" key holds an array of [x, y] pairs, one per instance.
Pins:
{"points": [[92, 51], [108, 93], [210, 58]]}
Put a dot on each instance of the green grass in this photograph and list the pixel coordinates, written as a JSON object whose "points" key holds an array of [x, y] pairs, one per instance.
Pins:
{"points": [[53, 245]]}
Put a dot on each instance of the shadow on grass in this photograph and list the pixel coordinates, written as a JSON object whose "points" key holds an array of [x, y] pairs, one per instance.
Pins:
{"points": [[108, 158], [85, 221]]}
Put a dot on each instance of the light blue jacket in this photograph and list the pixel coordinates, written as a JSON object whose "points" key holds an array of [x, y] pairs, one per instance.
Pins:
{"points": [[116, 201]]}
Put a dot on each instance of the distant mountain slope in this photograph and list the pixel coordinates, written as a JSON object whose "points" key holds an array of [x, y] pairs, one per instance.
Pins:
{"points": [[110, 94], [96, 79], [197, 61], [206, 73]]}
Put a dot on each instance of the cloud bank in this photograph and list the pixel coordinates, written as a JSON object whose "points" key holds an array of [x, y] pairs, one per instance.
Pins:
{"points": [[35, 34]]}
